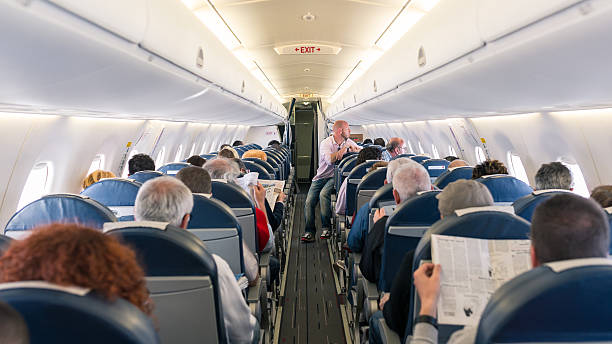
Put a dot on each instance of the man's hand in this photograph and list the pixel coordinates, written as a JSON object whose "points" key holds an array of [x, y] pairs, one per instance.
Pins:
{"points": [[383, 300], [260, 196], [379, 214], [281, 197], [341, 152], [427, 283], [354, 148]]}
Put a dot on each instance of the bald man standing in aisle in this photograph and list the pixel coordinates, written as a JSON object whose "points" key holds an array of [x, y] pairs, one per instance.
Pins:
{"points": [[331, 150]]}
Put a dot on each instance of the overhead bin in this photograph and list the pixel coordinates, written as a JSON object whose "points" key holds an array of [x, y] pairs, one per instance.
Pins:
{"points": [[497, 18], [127, 19]]}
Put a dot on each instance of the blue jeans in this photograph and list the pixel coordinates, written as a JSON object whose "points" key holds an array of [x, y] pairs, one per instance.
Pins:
{"points": [[319, 189], [374, 335]]}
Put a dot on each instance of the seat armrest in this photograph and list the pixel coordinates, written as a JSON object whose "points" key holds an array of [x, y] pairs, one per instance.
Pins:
{"points": [[264, 266], [371, 295], [388, 336], [253, 298]]}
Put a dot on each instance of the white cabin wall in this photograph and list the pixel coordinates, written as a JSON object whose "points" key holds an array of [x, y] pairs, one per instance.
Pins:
{"points": [[262, 135]]}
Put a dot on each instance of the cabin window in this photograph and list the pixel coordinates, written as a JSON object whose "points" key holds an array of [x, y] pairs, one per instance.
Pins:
{"points": [[161, 156], [192, 152], [179, 154], [421, 148], [97, 163], [580, 186], [126, 168], [410, 147], [203, 151], [451, 150], [516, 168], [480, 156], [37, 185], [434, 151]]}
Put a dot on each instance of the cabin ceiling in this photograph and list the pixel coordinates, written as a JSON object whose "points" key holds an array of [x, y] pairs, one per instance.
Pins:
{"points": [[261, 25]]}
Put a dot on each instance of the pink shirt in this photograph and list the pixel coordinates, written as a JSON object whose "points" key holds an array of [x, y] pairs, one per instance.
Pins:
{"points": [[326, 147]]}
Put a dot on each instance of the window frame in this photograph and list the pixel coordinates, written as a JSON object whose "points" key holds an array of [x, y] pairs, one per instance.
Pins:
{"points": [[44, 190]]}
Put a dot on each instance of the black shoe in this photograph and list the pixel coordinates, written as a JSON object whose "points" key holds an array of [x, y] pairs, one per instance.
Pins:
{"points": [[308, 237], [326, 234]]}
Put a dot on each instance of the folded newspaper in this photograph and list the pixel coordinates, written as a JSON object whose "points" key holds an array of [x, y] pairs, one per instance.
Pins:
{"points": [[273, 190], [472, 269]]}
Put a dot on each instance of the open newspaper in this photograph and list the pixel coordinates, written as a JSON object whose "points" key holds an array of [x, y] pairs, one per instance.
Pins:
{"points": [[273, 189], [472, 269]]}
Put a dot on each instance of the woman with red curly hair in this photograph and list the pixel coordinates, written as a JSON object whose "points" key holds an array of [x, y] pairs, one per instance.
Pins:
{"points": [[73, 255]]}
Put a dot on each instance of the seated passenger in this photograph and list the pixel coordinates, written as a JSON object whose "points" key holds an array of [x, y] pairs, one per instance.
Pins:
{"points": [[73, 255], [368, 153], [140, 162], [274, 144], [379, 141], [196, 160], [167, 199], [367, 142], [457, 163], [228, 153], [95, 177], [603, 195], [561, 219], [224, 145], [395, 306], [408, 180], [237, 143], [450, 158], [198, 181], [255, 153], [359, 230], [489, 167], [394, 147], [553, 175], [13, 328]]}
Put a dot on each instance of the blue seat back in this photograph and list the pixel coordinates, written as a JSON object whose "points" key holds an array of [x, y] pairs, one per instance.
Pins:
{"points": [[404, 230], [435, 167], [525, 206], [181, 277], [208, 156], [63, 208], [254, 167], [338, 169], [420, 158], [382, 197], [242, 207], [504, 188], [354, 178], [484, 224], [56, 314], [265, 165], [118, 195], [534, 306], [449, 176], [214, 223], [279, 172], [143, 176], [368, 186], [345, 170], [405, 155], [172, 168]]}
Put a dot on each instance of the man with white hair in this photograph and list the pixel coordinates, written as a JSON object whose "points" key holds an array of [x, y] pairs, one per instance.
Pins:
{"points": [[167, 199], [359, 230], [408, 180]]}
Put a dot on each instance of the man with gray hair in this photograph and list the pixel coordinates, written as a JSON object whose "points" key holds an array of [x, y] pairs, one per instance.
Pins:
{"points": [[463, 194], [554, 175], [222, 168], [408, 180], [167, 199]]}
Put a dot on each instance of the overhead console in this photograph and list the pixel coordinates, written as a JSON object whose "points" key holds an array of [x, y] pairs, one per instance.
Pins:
{"points": [[130, 59], [481, 57]]}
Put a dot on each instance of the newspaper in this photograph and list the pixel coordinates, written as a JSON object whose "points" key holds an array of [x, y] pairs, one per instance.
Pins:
{"points": [[273, 190], [472, 269]]}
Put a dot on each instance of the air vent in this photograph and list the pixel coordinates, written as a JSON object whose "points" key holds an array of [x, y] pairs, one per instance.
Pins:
{"points": [[242, 87], [422, 61], [200, 58], [375, 87]]}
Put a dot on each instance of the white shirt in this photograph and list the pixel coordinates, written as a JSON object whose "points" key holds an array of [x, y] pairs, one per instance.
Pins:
{"points": [[239, 322], [326, 148], [251, 266]]}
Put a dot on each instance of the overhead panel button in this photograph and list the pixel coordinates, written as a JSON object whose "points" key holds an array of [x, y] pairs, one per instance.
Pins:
{"points": [[307, 49]]}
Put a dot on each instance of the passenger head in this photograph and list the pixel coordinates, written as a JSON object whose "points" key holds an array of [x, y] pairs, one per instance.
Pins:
{"points": [[196, 160], [367, 141], [603, 195], [393, 166], [409, 179], [73, 255], [228, 153], [164, 199], [457, 163], [450, 158], [95, 177], [378, 165], [140, 162], [395, 146], [379, 141], [341, 129], [240, 165], [196, 179], [568, 226], [553, 176], [255, 153], [222, 169], [463, 194], [274, 144], [237, 143], [489, 167], [368, 153], [13, 329]]}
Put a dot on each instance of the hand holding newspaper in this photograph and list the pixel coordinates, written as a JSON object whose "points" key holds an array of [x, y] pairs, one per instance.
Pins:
{"points": [[472, 269], [273, 189]]}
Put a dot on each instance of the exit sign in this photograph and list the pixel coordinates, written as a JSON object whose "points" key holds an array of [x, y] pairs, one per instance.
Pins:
{"points": [[307, 49]]}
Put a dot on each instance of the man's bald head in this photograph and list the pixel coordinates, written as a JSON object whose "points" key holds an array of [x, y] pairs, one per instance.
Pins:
{"points": [[457, 163], [342, 131], [339, 124]]}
